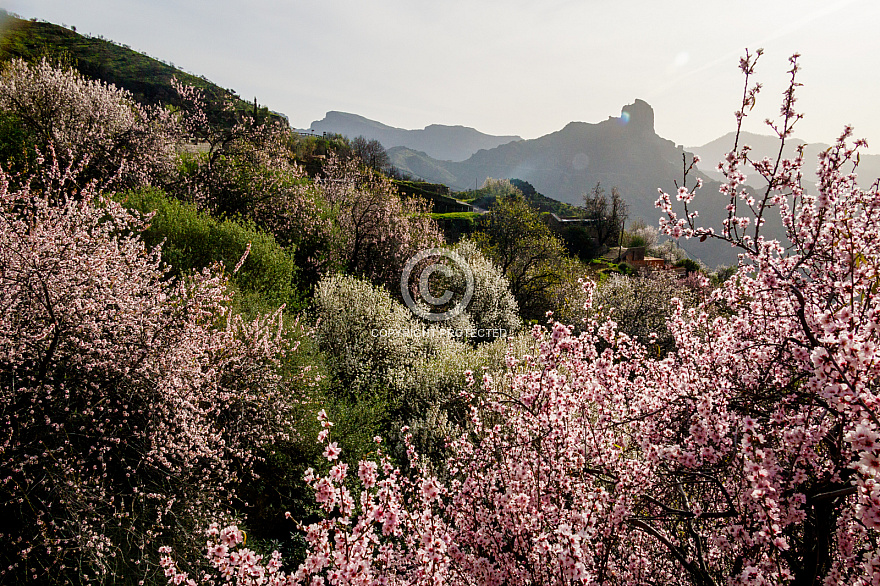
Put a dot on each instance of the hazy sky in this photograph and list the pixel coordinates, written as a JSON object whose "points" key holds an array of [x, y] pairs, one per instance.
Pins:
{"points": [[511, 67]]}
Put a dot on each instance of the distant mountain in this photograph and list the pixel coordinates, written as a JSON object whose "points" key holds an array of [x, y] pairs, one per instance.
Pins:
{"points": [[623, 152], [768, 146], [448, 143]]}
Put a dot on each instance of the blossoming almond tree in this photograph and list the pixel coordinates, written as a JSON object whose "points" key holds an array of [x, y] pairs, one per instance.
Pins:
{"points": [[129, 404], [749, 454], [378, 229], [88, 123], [789, 422]]}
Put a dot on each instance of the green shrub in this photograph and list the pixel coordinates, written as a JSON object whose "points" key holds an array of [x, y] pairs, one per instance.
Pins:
{"points": [[640, 234], [690, 265], [194, 240], [627, 269], [17, 151], [637, 240]]}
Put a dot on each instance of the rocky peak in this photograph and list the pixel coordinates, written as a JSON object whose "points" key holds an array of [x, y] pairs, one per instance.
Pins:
{"points": [[638, 116]]}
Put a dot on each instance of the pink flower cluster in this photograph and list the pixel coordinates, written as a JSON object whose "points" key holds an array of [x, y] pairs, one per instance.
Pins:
{"points": [[232, 563], [101, 128]]}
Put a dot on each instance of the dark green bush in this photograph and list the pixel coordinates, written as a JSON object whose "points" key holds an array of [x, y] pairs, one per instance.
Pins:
{"points": [[691, 266], [16, 144], [194, 240]]}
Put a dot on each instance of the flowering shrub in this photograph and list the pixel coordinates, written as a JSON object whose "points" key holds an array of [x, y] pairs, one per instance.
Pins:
{"points": [[377, 350], [241, 565], [670, 251], [82, 122], [492, 305], [130, 404], [641, 305], [370, 536], [354, 320], [377, 229]]}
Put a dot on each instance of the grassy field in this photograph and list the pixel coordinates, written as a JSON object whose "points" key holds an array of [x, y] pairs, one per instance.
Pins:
{"points": [[457, 216]]}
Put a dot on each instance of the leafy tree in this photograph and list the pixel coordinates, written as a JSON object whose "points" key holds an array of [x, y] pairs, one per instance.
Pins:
{"points": [[526, 188], [513, 236], [543, 203], [689, 265], [16, 144]]}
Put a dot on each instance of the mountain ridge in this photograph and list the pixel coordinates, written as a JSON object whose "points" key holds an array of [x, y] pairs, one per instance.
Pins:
{"points": [[623, 151], [439, 141], [768, 146]]}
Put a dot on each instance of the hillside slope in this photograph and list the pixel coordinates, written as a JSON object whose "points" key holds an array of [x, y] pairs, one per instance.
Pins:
{"points": [[148, 79]]}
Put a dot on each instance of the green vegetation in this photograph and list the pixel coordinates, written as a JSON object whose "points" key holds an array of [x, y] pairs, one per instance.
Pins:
{"points": [[473, 216], [494, 188], [601, 269], [689, 265], [545, 204], [192, 240], [16, 143], [532, 258]]}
